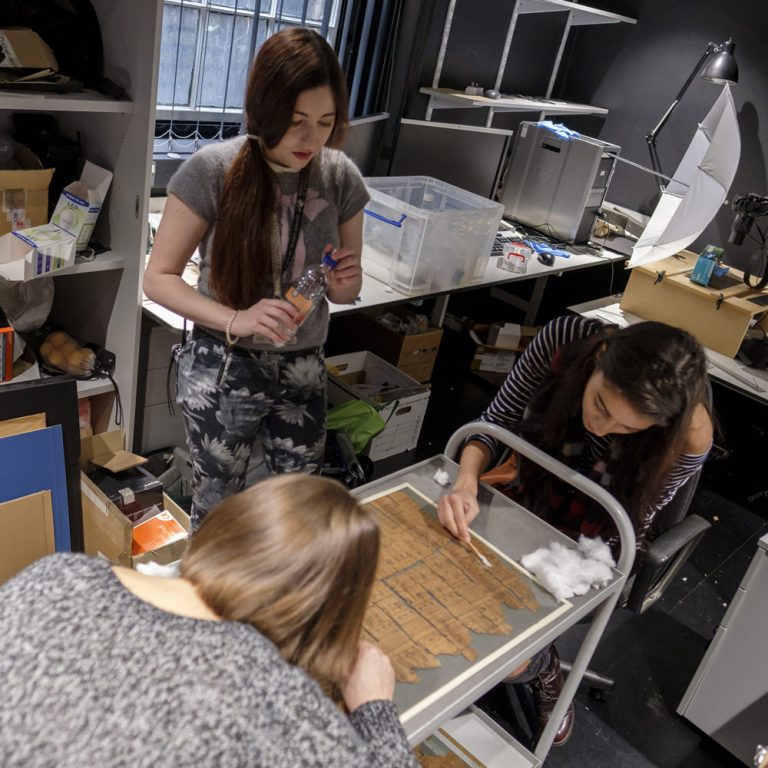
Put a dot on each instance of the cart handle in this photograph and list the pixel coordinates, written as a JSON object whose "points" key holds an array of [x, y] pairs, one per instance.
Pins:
{"points": [[564, 472]]}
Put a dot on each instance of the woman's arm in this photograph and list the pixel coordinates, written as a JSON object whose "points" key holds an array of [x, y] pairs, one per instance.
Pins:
{"points": [[179, 234], [457, 509], [345, 281], [368, 695]]}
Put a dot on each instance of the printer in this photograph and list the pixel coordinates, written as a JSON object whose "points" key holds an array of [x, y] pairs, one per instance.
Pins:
{"points": [[557, 180]]}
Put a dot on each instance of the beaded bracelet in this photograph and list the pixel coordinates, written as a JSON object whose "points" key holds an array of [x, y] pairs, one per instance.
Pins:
{"points": [[227, 331]]}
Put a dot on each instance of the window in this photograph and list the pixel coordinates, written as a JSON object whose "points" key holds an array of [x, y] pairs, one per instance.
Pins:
{"points": [[205, 51]]}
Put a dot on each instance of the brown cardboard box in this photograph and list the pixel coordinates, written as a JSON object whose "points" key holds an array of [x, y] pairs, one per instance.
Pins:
{"points": [[24, 49], [107, 531], [26, 532], [24, 193], [414, 354], [718, 315], [494, 359]]}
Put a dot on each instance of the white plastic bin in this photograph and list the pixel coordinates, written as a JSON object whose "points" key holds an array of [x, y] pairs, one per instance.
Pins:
{"points": [[422, 234], [360, 374]]}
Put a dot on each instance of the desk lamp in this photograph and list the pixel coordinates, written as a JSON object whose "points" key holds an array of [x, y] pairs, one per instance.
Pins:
{"points": [[721, 69]]}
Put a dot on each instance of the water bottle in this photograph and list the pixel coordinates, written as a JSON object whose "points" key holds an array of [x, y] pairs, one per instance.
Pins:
{"points": [[309, 290]]}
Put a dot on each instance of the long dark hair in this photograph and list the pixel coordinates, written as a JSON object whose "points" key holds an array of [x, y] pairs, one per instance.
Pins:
{"points": [[660, 370], [287, 64]]}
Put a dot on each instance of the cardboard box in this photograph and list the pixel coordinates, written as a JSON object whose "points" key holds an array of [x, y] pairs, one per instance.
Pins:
{"points": [[131, 490], [718, 315], [29, 253], [499, 358], [26, 532], [362, 375], [414, 354], [21, 48], [107, 531], [24, 193], [80, 202]]}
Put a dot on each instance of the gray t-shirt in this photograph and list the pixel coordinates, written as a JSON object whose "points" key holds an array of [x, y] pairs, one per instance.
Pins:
{"points": [[94, 676], [336, 192]]}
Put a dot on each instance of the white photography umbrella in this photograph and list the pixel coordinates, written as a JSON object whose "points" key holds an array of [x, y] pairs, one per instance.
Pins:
{"points": [[700, 185]]}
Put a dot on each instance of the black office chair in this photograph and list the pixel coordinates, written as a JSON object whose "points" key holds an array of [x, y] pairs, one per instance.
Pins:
{"points": [[679, 535]]}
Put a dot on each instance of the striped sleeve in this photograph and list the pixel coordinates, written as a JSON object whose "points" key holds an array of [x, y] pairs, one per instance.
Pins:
{"points": [[507, 408], [684, 468]]}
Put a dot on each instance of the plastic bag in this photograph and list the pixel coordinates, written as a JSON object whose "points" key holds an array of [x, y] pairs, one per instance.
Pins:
{"points": [[359, 420]]}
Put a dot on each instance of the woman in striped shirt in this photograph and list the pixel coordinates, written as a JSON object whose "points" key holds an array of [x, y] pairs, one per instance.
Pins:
{"points": [[630, 409]]}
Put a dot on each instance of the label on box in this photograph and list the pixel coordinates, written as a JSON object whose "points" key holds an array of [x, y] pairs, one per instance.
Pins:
{"points": [[496, 362]]}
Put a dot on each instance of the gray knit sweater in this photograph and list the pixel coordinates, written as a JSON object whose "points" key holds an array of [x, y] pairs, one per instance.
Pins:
{"points": [[93, 676]]}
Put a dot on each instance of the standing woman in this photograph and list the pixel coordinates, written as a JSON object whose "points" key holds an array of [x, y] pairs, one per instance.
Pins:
{"points": [[260, 208]]}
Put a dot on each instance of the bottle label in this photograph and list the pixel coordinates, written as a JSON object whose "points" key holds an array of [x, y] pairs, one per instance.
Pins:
{"points": [[301, 302]]}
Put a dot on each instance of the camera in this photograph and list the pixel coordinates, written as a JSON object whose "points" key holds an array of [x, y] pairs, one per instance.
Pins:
{"points": [[747, 207]]}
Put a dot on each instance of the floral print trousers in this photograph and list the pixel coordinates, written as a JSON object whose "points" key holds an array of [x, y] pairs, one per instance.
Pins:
{"points": [[233, 399]]}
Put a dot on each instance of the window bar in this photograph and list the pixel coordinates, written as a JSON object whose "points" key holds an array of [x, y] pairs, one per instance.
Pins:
{"points": [[304, 13], [344, 31], [326, 22], [362, 51], [376, 68], [229, 69]]}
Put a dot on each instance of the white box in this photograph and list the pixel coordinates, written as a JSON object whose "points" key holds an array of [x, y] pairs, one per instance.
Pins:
{"points": [[421, 234], [80, 202], [404, 415], [36, 251]]}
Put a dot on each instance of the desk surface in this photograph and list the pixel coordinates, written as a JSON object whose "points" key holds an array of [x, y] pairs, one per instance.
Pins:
{"points": [[374, 293], [734, 374]]}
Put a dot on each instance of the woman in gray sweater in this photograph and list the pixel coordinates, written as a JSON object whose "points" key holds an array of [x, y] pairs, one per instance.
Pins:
{"points": [[242, 661]]}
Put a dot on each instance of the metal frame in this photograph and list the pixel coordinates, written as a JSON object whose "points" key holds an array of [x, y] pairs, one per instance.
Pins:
{"points": [[530, 530]]}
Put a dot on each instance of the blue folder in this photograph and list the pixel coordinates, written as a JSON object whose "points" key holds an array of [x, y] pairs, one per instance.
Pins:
{"points": [[34, 462]]}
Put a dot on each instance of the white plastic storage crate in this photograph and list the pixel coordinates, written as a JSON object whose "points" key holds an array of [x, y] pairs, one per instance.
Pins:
{"points": [[422, 234], [363, 375]]}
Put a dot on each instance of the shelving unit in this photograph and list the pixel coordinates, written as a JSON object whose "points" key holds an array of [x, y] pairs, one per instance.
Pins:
{"points": [[577, 15], [99, 301]]}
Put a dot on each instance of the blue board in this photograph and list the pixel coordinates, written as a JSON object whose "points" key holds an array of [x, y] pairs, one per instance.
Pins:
{"points": [[34, 462]]}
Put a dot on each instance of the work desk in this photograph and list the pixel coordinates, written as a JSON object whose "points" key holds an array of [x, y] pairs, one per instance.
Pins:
{"points": [[726, 370], [375, 293]]}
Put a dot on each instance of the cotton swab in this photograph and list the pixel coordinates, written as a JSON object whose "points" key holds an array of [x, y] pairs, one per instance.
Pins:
{"points": [[483, 559]]}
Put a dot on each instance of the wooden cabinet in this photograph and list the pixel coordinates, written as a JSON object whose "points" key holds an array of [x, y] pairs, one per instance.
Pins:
{"points": [[100, 301]]}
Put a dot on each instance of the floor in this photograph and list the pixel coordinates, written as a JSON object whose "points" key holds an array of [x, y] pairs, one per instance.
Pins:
{"points": [[654, 656]]}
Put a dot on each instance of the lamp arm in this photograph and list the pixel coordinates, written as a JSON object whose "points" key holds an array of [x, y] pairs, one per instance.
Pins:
{"points": [[651, 136]]}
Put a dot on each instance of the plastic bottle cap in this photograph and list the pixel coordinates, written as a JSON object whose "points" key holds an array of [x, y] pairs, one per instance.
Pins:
{"points": [[329, 261]]}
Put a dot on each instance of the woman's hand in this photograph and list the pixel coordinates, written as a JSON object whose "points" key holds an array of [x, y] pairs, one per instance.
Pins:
{"points": [[345, 279], [274, 319], [372, 677], [457, 510]]}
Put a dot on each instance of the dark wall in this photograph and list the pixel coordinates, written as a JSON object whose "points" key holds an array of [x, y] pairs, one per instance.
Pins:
{"points": [[636, 71], [632, 70]]}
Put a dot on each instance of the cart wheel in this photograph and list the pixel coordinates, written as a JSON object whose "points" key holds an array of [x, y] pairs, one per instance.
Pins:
{"points": [[599, 694]]}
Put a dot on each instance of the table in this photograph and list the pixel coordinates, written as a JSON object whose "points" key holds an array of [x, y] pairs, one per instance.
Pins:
{"points": [[515, 532], [726, 370], [375, 293]]}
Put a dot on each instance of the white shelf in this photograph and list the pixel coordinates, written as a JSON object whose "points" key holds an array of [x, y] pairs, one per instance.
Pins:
{"points": [[95, 387], [447, 98], [101, 263], [582, 14], [88, 101]]}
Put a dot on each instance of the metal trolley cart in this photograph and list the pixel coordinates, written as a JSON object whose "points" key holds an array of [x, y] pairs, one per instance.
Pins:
{"points": [[512, 530]]}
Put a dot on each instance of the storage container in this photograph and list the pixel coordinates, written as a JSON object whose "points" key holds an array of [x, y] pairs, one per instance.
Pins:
{"points": [[423, 235], [400, 400]]}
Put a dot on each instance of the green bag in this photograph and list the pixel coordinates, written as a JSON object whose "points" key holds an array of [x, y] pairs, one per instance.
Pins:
{"points": [[360, 420]]}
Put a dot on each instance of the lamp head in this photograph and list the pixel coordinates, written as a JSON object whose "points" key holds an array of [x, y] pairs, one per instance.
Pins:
{"points": [[722, 68]]}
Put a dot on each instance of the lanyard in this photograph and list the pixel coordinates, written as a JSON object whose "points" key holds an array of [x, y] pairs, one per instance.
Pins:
{"points": [[281, 268]]}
